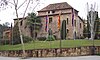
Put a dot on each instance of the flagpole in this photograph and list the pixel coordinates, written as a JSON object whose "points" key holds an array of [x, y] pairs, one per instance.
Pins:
{"points": [[11, 33], [73, 23], [59, 28]]}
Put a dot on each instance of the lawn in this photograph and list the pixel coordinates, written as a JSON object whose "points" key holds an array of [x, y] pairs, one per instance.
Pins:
{"points": [[51, 44]]}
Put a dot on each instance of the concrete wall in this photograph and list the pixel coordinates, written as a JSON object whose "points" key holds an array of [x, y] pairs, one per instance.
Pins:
{"points": [[78, 51]]}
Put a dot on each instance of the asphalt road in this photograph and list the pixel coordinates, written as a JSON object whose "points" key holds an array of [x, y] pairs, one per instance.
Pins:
{"points": [[55, 58]]}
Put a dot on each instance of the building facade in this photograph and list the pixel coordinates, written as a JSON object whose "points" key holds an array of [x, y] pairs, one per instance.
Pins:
{"points": [[53, 11], [66, 11], [23, 26], [7, 34]]}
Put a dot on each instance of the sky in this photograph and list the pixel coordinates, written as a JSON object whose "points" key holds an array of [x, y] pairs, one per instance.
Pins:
{"points": [[8, 14]]}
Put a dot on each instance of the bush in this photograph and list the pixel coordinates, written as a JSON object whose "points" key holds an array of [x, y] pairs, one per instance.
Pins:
{"points": [[4, 42], [41, 38], [15, 41], [50, 38], [16, 35], [81, 37], [27, 39], [55, 37]]}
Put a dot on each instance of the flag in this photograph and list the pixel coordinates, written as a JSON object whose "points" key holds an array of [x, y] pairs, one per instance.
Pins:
{"points": [[11, 25], [59, 21], [72, 17], [46, 26], [73, 24], [11, 31]]}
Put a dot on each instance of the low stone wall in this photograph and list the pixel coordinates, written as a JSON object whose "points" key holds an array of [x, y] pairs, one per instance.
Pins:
{"points": [[56, 52]]}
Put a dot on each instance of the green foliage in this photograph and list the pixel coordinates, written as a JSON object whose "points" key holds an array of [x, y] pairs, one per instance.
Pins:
{"points": [[2, 28], [51, 44], [34, 23], [63, 30], [41, 38], [85, 31], [27, 39], [50, 38], [16, 35], [4, 42], [98, 54]]}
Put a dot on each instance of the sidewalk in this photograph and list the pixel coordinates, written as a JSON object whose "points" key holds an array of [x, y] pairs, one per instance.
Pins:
{"points": [[55, 58]]}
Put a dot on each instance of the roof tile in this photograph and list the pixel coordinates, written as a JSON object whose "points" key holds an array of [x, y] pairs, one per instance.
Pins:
{"points": [[56, 6]]}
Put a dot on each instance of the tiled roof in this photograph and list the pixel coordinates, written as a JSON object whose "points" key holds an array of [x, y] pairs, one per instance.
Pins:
{"points": [[56, 6]]}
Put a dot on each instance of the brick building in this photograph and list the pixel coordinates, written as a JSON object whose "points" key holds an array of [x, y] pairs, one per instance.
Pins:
{"points": [[52, 11], [7, 34]]}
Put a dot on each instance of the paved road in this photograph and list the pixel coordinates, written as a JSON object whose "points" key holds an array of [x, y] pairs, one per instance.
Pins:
{"points": [[55, 58]]}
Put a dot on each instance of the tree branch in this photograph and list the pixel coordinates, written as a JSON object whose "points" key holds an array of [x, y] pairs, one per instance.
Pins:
{"points": [[17, 2], [22, 4], [10, 2], [26, 8], [35, 6], [14, 2]]}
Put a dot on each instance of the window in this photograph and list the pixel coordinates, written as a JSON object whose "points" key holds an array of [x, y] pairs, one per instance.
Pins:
{"points": [[75, 23], [80, 35], [48, 12], [50, 19], [53, 11], [80, 25], [67, 21], [21, 22], [25, 27], [67, 31]]}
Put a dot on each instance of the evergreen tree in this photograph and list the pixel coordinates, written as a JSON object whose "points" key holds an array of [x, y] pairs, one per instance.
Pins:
{"points": [[34, 24], [63, 30], [16, 35]]}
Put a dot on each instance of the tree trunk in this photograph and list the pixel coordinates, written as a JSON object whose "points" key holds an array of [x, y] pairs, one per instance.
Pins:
{"points": [[20, 32]]}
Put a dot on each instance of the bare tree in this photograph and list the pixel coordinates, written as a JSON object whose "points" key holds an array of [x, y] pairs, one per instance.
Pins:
{"points": [[91, 15], [17, 6]]}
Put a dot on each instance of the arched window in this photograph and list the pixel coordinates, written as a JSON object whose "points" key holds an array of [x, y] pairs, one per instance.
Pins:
{"points": [[67, 21], [67, 31]]}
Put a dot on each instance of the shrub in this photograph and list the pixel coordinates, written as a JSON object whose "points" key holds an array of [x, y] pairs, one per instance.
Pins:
{"points": [[16, 35], [50, 38], [81, 37], [41, 38], [55, 37], [5, 42], [27, 39]]}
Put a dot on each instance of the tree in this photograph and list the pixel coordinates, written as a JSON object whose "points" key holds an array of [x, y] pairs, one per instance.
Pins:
{"points": [[17, 6], [2, 28], [34, 24], [91, 16], [63, 30], [16, 36]]}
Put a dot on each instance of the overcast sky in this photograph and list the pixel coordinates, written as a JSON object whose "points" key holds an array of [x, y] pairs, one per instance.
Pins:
{"points": [[81, 5]]}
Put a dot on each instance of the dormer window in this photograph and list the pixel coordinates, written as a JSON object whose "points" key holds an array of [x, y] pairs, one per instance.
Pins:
{"points": [[48, 12], [53, 11]]}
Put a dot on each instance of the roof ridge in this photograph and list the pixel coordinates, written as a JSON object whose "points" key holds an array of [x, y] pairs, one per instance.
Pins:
{"points": [[58, 3], [54, 6]]}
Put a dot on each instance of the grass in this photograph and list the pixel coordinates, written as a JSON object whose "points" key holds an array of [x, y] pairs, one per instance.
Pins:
{"points": [[51, 44]]}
